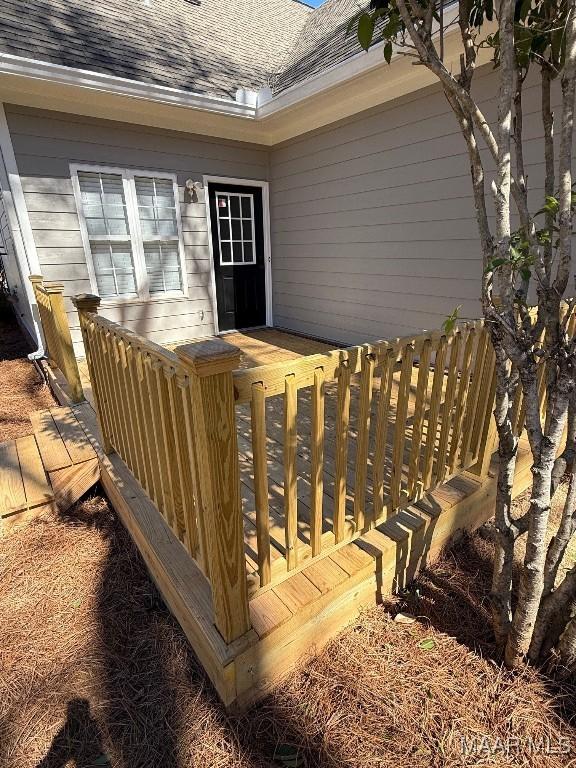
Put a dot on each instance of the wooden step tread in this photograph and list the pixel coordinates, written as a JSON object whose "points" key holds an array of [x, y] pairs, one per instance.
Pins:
{"points": [[23, 480]]}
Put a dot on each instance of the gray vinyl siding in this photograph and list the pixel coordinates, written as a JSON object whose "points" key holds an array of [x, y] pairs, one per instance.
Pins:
{"points": [[373, 224], [45, 143]]}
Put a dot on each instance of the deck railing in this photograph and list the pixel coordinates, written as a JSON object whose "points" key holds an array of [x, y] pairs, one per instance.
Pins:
{"points": [[168, 416], [366, 431], [58, 340], [260, 471]]}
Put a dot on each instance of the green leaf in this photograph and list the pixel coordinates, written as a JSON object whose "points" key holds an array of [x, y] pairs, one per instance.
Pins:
{"points": [[365, 30], [102, 760], [388, 51], [76, 603], [427, 645], [450, 322]]}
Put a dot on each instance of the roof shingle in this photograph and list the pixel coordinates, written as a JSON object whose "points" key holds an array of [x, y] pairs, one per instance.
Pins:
{"points": [[205, 46]]}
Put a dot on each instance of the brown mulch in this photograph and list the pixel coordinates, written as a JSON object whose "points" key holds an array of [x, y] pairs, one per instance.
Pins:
{"points": [[94, 668], [22, 389]]}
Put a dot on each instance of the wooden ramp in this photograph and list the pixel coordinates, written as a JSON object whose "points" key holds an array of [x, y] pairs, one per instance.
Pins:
{"points": [[48, 470]]}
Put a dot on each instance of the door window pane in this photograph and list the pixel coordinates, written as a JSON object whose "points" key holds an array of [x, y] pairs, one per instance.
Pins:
{"points": [[236, 228]]}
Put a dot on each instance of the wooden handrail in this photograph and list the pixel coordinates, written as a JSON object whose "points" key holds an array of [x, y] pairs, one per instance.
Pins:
{"points": [[58, 339]]}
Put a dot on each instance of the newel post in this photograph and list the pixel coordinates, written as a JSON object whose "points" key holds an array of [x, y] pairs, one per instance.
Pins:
{"points": [[209, 365], [61, 327], [87, 303]]}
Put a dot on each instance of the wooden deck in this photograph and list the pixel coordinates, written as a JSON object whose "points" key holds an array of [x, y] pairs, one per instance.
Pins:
{"points": [[263, 347], [298, 613], [260, 347], [48, 470]]}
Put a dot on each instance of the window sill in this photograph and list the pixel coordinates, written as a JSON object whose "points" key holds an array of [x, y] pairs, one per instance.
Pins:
{"points": [[165, 298]]}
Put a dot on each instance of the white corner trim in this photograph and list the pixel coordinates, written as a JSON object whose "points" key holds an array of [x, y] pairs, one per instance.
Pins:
{"points": [[265, 187], [22, 235], [62, 75], [15, 184]]}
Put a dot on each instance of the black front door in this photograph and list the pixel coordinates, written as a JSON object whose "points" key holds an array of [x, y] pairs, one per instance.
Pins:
{"points": [[238, 247]]}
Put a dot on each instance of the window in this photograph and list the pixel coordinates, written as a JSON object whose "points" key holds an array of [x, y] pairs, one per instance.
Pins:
{"points": [[236, 228], [131, 232]]}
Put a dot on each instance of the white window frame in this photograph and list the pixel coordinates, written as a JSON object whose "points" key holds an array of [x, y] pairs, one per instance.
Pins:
{"points": [[135, 236]]}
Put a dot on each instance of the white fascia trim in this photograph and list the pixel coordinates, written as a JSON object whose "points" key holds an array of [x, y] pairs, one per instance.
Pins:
{"points": [[62, 75]]}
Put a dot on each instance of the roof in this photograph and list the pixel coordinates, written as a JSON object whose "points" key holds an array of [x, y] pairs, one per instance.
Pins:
{"points": [[208, 47], [204, 46], [322, 43]]}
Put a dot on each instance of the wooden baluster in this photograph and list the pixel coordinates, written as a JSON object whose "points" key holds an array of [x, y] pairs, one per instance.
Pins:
{"points": [[317, 473], [341, 448], [140, 415], [472, 405], [447, 414], [148, 433], [259, 452], [87, 305], [162, 373], [112, 398], [182, 489], [418, 422], [95, 333], [485, 400], [193, 502], [112, 360], [386, 379], [462, 398], [364, 410], [63, 339], [209, 365], [290, 471], [164, 499], [400, 426], [486, 423], [134, 454], [434, 411]]}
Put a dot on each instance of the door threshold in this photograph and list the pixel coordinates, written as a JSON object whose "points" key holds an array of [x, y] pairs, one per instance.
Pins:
{"points": [[245, 330]]}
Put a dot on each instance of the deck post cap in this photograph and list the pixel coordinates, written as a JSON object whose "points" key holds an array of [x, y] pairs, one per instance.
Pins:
{"points": [[35, 279], [86, 302], [208, 358]]}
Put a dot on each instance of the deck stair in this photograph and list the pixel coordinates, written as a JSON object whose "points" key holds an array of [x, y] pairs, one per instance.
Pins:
{"points": [[48, 470]]}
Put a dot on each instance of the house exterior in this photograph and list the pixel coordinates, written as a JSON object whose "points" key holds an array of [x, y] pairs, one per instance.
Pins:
{"points": [[208, 166]]}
